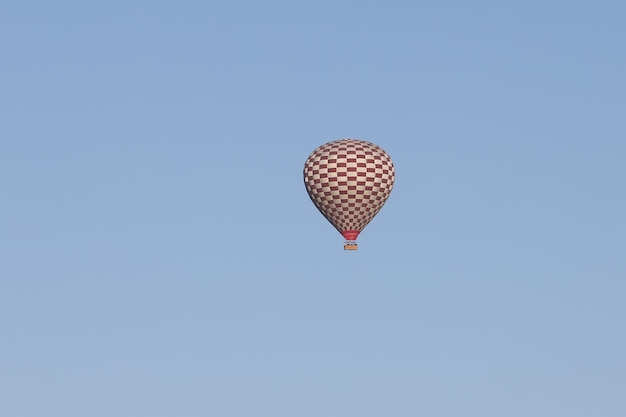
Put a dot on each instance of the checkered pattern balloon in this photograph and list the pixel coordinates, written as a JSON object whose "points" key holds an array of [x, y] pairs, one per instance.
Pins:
{"points": [[349, 180]]}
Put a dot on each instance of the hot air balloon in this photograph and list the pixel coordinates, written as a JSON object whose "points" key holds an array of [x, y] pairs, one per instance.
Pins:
{"points": [[349, 180]]}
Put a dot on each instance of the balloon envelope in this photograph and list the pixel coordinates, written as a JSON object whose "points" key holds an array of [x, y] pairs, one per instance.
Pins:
{"points": [[349, 180]]}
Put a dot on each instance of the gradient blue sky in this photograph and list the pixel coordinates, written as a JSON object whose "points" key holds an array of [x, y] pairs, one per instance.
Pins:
{"points": [[159, 255]]}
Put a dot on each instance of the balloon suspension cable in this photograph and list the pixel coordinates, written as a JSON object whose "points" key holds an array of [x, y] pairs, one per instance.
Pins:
{"points": [[350, 245]]}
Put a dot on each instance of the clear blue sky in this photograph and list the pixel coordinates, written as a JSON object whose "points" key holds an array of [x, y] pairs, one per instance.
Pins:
{"points": [[159, 255]]}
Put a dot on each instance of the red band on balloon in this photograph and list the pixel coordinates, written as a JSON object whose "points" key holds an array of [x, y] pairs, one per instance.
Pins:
{"points": [[350, 234]]}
